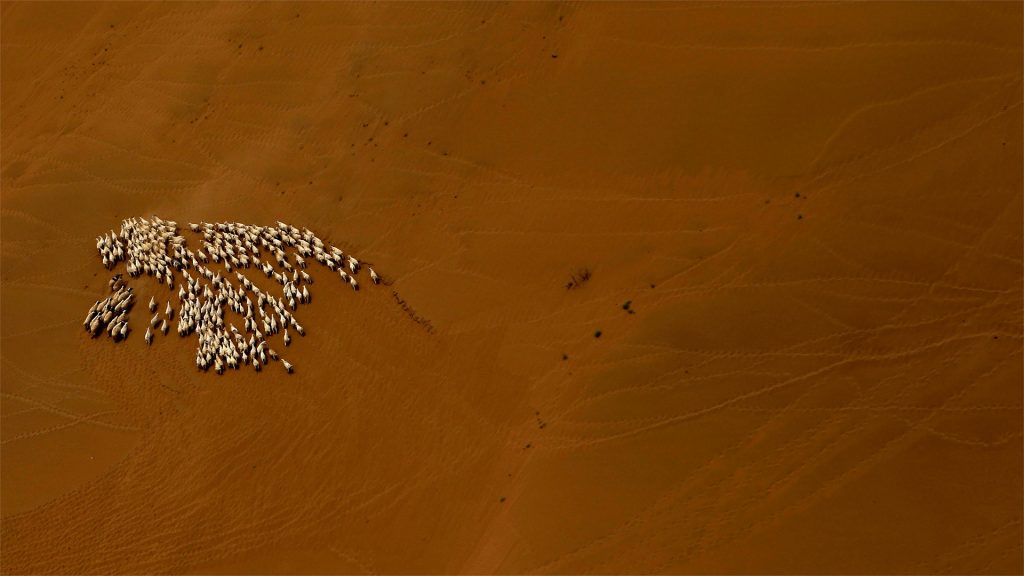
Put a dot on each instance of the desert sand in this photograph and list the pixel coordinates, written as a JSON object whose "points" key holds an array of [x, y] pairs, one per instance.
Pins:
{"points": [[814, 212]]}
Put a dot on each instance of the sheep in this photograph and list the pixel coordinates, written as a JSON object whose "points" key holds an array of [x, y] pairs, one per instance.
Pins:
{"points": [[124, 303], [154, 247], [287, 366]]}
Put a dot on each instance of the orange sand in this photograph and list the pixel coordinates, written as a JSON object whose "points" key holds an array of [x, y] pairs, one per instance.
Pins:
{"points": [[814, 209]]}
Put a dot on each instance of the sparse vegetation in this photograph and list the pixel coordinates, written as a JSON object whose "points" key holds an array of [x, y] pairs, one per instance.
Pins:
{"points": [[578, 279]]}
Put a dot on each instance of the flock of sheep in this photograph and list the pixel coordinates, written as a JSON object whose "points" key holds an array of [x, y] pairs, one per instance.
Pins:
{"points": [[154, 247]]}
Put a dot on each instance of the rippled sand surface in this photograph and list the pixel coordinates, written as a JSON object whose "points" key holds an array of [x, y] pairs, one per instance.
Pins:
{"points": [[814, 212]]}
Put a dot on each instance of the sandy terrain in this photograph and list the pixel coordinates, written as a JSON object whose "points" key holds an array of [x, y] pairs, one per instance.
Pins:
{"points": [[814, 211]]}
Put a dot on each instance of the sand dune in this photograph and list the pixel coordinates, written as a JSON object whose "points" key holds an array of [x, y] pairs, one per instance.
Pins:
{"points": [[813, 210]]}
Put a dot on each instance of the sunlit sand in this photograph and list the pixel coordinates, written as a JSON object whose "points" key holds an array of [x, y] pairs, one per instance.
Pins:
{"points": [[665, 288]]}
